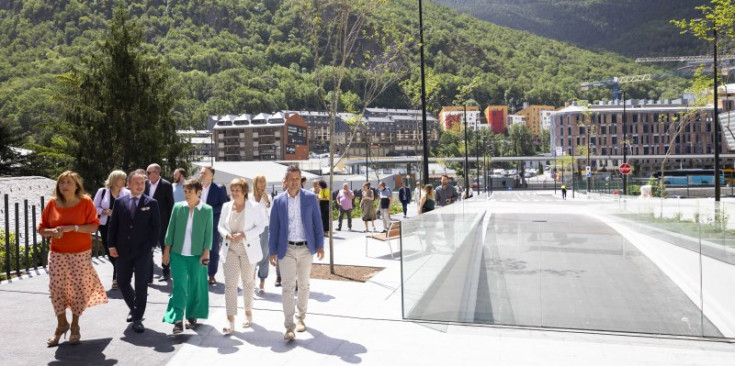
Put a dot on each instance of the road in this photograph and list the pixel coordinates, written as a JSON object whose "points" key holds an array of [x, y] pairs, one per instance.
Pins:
{"points": [[549, 263]]}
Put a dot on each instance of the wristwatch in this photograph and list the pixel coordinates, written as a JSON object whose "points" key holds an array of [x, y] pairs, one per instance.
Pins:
{"points": [[76, 227]]}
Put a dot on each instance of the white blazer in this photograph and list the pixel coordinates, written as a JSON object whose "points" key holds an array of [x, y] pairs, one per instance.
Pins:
{"points": [[102, 203], [254, 226]]}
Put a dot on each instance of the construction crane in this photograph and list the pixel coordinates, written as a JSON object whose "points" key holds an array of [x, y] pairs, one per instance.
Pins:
{"points": [[615, 82]]}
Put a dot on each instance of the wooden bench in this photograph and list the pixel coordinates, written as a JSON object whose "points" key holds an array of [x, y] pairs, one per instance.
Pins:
{"points": [[394, 232]]}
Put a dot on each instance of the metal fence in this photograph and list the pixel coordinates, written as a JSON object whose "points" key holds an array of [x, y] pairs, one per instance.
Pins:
{"points": [[22, 249]]}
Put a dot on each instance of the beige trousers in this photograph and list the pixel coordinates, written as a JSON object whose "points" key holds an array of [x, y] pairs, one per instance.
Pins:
{"points": [[237, 267], [296, 264]]}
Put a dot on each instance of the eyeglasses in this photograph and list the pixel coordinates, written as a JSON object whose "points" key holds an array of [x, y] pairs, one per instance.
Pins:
{"points": [[149, 173]]}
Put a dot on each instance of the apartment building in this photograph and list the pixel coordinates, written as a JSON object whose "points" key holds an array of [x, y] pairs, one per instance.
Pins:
{"points": [[497, 117], [451, 116], [267, 137], [201, 143], [653, 129], [391, 132], [318, 125], [533, 116]]}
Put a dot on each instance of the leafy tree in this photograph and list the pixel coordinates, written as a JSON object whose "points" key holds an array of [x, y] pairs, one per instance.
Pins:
{"points": [[117, 107]]}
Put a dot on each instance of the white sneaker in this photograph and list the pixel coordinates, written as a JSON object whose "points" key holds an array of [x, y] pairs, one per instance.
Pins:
{"points": [[300, 326], [289, 336]]}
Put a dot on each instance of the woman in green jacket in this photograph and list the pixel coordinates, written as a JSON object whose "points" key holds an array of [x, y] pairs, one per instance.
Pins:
{"points": [[187, 245]]}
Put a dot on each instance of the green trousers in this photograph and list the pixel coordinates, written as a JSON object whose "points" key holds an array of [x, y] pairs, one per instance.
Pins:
{"points": [[190, 295]]}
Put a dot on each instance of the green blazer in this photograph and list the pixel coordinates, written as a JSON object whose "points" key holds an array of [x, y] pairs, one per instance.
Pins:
{"points": [[201, 230]]}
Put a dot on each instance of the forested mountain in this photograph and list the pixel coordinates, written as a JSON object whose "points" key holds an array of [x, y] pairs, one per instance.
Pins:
{"points": [[238, 56], [629, 27]]}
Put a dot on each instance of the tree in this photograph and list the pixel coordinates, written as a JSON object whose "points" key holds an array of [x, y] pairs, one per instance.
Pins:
{"points": [[117, 106], [341, 36], [11, 160]]}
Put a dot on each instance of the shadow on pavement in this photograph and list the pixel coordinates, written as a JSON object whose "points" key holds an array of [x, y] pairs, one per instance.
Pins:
{"points": [[88, 352], [319, 343], [159, 342]]}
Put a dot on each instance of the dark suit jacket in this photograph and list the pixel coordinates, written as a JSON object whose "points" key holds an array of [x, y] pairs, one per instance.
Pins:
{"points": [[137, 236], [216, 198], [404, 194], [165, 196]]}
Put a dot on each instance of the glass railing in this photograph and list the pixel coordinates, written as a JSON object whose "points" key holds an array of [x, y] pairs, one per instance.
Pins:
{"points": [[649, 266]]}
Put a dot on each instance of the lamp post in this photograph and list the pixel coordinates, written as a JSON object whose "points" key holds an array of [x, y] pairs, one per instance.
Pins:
{"points": [[477, 155], [466, 161], [625, 142], [424, 136], [367, 153], [716, 119]]}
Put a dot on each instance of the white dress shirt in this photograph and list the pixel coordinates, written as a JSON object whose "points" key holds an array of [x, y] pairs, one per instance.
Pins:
{"points": [[153, 187], [295, 225], [186, 249], [205, 192]]}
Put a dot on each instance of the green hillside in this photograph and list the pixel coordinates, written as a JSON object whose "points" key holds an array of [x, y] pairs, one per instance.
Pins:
{"points": [[237, 56], [629, 27]]}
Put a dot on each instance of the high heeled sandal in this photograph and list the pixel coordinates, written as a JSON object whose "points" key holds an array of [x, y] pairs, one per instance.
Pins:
{"points": [[191, 323], [229, 330], [178, 327], [54, 341], [75, 336]]}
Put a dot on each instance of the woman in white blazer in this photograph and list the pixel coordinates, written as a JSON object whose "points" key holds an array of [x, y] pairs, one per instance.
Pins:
{"points": [[104, 201], [240, 225]]}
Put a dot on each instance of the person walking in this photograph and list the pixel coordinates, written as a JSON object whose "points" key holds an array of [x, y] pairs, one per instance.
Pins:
{"points": [[162, 191], [323, 196], [215, 196], [564, 191], [104, 201], [295, 236], [386, 198], [344, 200], [135, 227], [445, 195], [263, 202], [69, 219], [367, 206], [427, 200], [178, 184], [404, 196], [240, 226], [187, 248]]}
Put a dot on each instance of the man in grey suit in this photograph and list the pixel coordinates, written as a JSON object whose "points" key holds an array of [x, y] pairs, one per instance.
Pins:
{"points": [[162, 191]]}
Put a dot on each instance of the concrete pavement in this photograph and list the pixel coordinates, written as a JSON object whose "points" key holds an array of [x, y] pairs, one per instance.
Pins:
{"points": [[347, 323]]}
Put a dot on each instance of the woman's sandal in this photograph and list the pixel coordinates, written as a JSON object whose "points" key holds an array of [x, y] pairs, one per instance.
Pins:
{"points": [[75, 336], [54, 341], [230, 329], [178, 327], [191, 323], [248, 322]]}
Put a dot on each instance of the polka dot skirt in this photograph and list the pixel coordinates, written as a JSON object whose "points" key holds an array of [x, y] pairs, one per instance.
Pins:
{"points": [[73, 282]]}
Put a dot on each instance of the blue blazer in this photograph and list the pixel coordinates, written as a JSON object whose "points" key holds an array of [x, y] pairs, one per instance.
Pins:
{"points": [[137, 236], [310, 217], [216, 198]]}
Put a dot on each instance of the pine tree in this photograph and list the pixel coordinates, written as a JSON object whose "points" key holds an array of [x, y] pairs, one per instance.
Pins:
{"points": [[117, 107]]}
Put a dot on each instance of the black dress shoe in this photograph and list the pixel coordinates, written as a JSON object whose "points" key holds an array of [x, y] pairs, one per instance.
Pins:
{"points": [[138, 326], [130, 318]]}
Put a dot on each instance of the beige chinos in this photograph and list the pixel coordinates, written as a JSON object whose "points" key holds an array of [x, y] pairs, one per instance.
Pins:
{"points": [[238, 267], [295, 266]]}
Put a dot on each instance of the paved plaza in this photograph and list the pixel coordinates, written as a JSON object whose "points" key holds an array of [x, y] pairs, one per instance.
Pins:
{"points": [[361, 323]]}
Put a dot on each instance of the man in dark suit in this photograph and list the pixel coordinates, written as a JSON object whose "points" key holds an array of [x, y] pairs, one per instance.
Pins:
{"points": [[214, 195], [162, 191], [404, 195], [134, 228]]}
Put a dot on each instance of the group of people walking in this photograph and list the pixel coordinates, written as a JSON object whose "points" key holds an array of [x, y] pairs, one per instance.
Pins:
{"points": [[188, 219]]}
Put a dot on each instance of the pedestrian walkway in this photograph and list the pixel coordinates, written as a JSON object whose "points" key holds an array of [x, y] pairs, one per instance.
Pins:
{"points": [[347, 323]]}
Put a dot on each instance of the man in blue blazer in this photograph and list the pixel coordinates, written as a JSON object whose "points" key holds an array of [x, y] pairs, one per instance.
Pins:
{"points": [[214, 195], [296, 234], [134, 228]]}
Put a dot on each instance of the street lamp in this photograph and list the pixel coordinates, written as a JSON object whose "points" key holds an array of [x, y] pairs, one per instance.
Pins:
{"points": [[625, 151], [470, 102], [716, 119], [424, 136]]}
